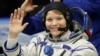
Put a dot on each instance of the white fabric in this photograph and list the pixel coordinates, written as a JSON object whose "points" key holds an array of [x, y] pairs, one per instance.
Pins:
{"points": [[11, 42], [79, 47]]}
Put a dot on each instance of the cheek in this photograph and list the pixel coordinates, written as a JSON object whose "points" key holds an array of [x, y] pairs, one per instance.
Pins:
{"points": [[63, 23], [47, 24]]}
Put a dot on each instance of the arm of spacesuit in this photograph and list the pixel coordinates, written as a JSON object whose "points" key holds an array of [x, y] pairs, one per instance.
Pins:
{"points": [[83, 50], [13, 48]]}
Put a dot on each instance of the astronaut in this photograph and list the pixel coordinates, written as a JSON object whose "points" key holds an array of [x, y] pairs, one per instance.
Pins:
{"points": [[62, 35]]}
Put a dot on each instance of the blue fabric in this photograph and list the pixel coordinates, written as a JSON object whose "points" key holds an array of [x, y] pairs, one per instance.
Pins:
{"points": [[91, 6], [35, 24]]}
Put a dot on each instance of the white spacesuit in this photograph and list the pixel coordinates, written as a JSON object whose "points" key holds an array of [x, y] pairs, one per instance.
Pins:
{"points": [[43, 45]]}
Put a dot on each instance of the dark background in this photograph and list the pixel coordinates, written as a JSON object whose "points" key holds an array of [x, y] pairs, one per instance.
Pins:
{"points": [[8, 6]]}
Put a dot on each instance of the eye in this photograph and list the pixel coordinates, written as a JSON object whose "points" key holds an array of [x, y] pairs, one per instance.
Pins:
{"points": [[59, 18], [49, 19]]}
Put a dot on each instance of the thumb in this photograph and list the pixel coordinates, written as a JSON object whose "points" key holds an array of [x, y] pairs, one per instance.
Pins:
{"points": [[24, 26], [34, 6]]}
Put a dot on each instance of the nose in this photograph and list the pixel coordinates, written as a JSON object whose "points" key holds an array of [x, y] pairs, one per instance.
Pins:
{"points": [[54, 22]]}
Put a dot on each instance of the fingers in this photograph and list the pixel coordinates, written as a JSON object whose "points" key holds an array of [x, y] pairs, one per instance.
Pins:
{"points": [[17, 16], [14, 15], [27, 2], [16, 19], [22, 16], [19, 13], [11, 17], [34, 6]]}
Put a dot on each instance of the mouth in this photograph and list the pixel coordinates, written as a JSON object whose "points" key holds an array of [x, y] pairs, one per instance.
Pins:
{"points": [[54, 29]]}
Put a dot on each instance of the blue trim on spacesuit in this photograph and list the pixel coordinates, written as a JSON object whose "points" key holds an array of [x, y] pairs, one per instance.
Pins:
{"points": [[76, 49], [11, 49]]}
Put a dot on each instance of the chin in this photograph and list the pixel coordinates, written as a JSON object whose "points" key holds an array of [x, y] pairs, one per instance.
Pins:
{"points": [[55, 33]]}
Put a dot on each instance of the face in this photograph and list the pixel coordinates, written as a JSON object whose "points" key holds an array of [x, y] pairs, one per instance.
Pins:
{"points": [[54, 21]]}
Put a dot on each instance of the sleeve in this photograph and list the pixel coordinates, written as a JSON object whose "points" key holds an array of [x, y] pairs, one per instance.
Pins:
{"points": [[17, 50], [11, 47], [84, 50], [35, 23], [91, 6]]}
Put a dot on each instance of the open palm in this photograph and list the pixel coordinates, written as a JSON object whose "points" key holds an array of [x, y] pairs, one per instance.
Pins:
{"points": [[16, 19]]}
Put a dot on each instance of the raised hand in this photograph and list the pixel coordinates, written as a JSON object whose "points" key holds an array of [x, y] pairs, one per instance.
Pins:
{"points": [[15, 25], [27, 6]]}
